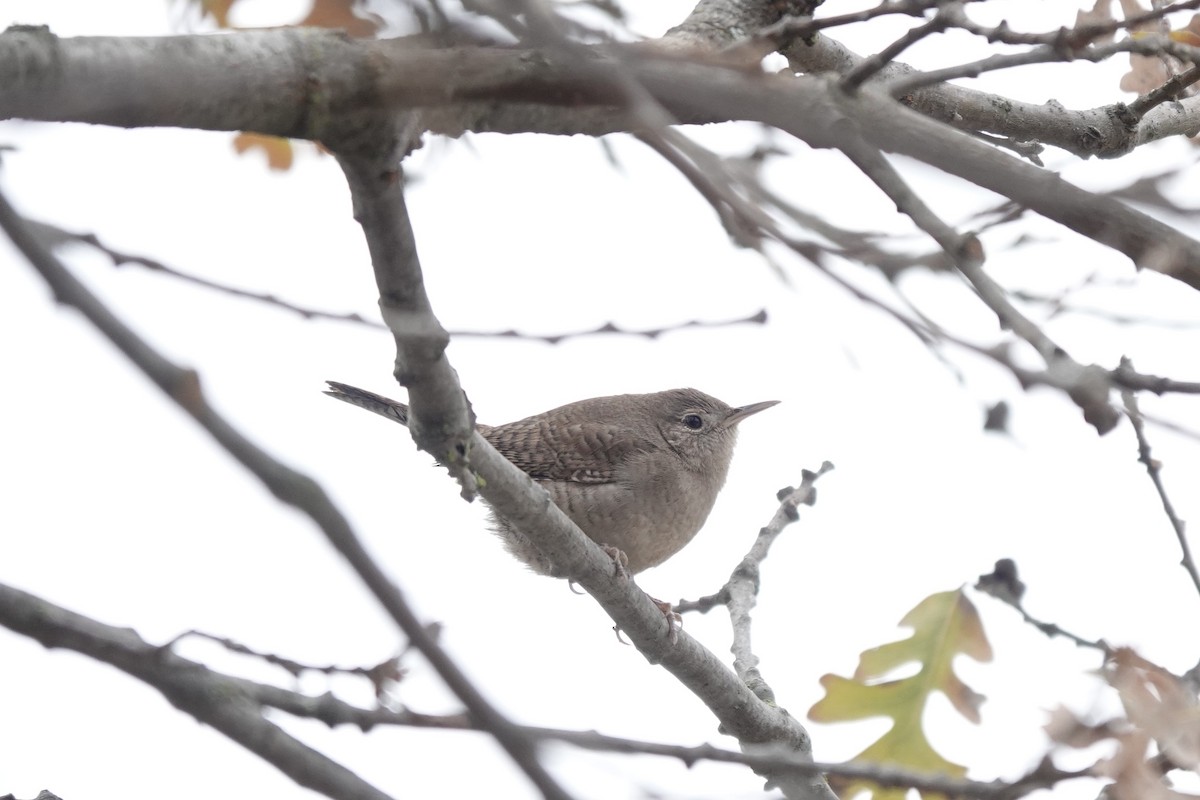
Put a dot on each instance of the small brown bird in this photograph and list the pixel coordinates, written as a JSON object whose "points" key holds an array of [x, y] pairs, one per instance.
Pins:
{"points": [[636, 472]]}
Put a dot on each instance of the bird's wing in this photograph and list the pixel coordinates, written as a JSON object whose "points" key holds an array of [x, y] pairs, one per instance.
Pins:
{"points": [[588, 452]]}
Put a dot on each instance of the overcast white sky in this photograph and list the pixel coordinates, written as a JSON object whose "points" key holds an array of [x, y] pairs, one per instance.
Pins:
{"points": [[118, 507]]}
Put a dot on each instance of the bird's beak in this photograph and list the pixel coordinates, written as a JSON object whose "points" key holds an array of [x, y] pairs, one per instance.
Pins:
{"points": [[739, 414]]}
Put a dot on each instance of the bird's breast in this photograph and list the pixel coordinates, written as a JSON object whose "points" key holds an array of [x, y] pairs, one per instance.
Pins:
{"points": [[650, 511]]}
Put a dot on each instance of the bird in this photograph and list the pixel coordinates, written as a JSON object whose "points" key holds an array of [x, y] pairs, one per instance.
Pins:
{"points": [[638, 473]]}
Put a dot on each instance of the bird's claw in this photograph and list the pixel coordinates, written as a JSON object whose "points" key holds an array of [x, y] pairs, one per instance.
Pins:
{"points": [[673, 617], [620, 560]]}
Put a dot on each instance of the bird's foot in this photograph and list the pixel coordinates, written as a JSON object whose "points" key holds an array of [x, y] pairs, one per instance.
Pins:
{"points": [[673, 617], [620, 560]]}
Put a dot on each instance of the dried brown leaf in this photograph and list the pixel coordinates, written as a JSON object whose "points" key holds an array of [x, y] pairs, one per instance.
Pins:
{"points": [[1145, 74], [1133, 8], [278, 151], [1157, 703], [219, 10], [1100, 14], [1067, 729], [1132, 774], [341, 14]]}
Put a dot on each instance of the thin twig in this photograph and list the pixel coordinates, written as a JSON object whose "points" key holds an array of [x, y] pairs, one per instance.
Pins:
{"points": [[1172, 426], [380, 675], [1045, 775], [1004, 584], [54, 235], [740, 592], [959, 248], [1168, 92], [1058, 305], [790, 28], [1154, 470], [1070, 39], [1126, 376], [863, 71], [1087, 385], [1045, 54]]}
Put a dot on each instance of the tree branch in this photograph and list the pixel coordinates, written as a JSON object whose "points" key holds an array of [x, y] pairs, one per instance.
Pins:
{"points": [[398, 74], [1005, 585], [190, 686], [288, 485], [1154, 470], [1083, 132], [378, 196], [227, 704], [741, 590], [53, 236]]}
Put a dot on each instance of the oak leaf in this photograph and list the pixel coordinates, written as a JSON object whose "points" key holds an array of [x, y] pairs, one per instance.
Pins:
{"points": [[944, 625]]}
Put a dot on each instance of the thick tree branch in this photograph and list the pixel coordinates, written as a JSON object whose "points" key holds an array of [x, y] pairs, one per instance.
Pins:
{"points": [[356, 75], [310, 72], [376, 185]]}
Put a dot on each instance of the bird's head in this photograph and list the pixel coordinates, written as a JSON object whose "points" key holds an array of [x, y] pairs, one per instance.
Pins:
{"points": [[700, 428]]}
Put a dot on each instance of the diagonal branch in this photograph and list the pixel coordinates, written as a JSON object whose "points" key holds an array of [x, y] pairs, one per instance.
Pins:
{"points": [[377, 188], [1087, 385], [1154, 470], [960, 249], [868, 67], [1005, 585], [227, 704], [288, 485], [1085, 133]]}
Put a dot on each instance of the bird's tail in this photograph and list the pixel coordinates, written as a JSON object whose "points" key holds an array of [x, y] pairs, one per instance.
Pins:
{"points": [[383, 406]]}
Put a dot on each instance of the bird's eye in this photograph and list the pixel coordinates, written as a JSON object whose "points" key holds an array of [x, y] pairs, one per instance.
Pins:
{"points": [[693, 421]]}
